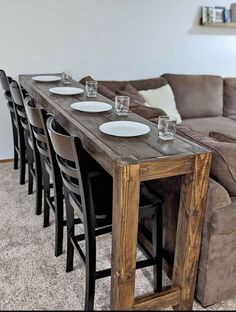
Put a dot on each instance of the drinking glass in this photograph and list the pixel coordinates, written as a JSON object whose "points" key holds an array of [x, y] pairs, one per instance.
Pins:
{"points": [[91, 88], [67, 77], [167, 127], [122, 105]]}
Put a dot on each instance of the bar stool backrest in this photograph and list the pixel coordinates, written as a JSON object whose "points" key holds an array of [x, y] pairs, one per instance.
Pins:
{"points": [[71, 158], [4, 80], [37, 117], [5, 83], [17, 97]]}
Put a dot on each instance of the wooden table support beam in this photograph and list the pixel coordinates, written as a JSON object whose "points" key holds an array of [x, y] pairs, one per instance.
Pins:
{"points": [[165, 299], [126, 181], [189, 230]]}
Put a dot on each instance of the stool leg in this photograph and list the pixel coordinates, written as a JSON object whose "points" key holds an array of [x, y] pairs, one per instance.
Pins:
{"points": [[70, 232], [157, 248], [46, 188], [38, 182], [15, 142], [58, 195], [22, 157], [30, 169], [90, 241]]}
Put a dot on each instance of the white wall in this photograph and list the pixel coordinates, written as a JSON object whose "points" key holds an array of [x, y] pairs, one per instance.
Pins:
{"points": [[109, 39]]}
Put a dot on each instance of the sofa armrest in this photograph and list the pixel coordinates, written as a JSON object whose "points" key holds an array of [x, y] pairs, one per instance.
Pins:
{"points": [[217, 197], [170, 188]]}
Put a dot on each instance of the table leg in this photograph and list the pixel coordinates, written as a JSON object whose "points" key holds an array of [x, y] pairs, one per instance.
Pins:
{"points": [[126, 188], [189, 230]]}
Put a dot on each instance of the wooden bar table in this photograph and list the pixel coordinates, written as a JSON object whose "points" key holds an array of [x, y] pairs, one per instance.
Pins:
{"points": [[130, 161]]}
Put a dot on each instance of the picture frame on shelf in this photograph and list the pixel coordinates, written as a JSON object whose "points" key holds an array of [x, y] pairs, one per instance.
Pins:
{"points": [[219, 15]]}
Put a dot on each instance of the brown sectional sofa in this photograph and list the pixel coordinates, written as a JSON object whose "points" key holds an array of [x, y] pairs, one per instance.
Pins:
{"points": [[207, 105]]}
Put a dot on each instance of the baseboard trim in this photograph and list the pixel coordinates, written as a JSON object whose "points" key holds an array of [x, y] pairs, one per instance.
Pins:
{"points": [[6, 160]]}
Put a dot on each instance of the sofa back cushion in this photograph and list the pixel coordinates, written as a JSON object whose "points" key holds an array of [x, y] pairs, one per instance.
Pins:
{"points": [[229, 97], [223, 167], [142, 84], [197, 95], [137, 104]]}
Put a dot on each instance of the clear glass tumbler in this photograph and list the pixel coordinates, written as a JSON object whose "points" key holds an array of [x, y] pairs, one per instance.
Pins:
{"points": [[67, 77], [122, 105], [91, 88], [167, 127]]}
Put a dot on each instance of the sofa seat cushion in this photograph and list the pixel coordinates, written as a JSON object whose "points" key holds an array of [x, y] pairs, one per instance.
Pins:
{"points": [[162, 98], [223, 167], [206, 125], [229, 97], [197, 95], [232, 117]]}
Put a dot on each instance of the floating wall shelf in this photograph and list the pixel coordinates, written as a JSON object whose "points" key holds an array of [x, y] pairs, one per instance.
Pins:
{"points": [[222, 25]]}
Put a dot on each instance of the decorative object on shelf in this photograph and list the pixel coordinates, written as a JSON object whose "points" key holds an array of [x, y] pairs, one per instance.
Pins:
{"points": [[227, 16], [218, 14], [204, 15], [210, 14], [233, 12]]}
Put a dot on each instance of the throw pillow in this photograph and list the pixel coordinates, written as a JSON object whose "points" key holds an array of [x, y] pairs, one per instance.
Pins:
{"points": [[223, 167], [222, 137], [138, 106], [130, 91], [162, 98], [106, 92]]}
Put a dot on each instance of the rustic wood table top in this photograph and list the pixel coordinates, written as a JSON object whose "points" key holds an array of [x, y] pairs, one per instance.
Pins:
{"points": [[129, 161]]}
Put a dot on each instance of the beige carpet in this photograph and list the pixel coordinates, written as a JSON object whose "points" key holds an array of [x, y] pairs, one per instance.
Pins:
{"points": [[31, 277]]}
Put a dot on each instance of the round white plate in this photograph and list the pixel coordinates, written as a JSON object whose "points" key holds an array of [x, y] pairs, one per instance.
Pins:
{"points": [[91, 106], [124, 128], [46, 78], [66, 90]]}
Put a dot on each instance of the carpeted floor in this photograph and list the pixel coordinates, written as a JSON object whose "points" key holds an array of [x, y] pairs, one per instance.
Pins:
{"points": [[31, 277]]}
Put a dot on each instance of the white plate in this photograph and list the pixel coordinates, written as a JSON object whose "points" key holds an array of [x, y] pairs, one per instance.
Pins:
{"points": [[46, 78], [91, 106], [66, 90], [124, 128]]}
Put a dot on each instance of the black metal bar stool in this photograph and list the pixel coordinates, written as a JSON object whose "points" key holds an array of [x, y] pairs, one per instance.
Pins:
{"points": [[37, 119], [32, 154], [4, 80], [88, 194]]}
